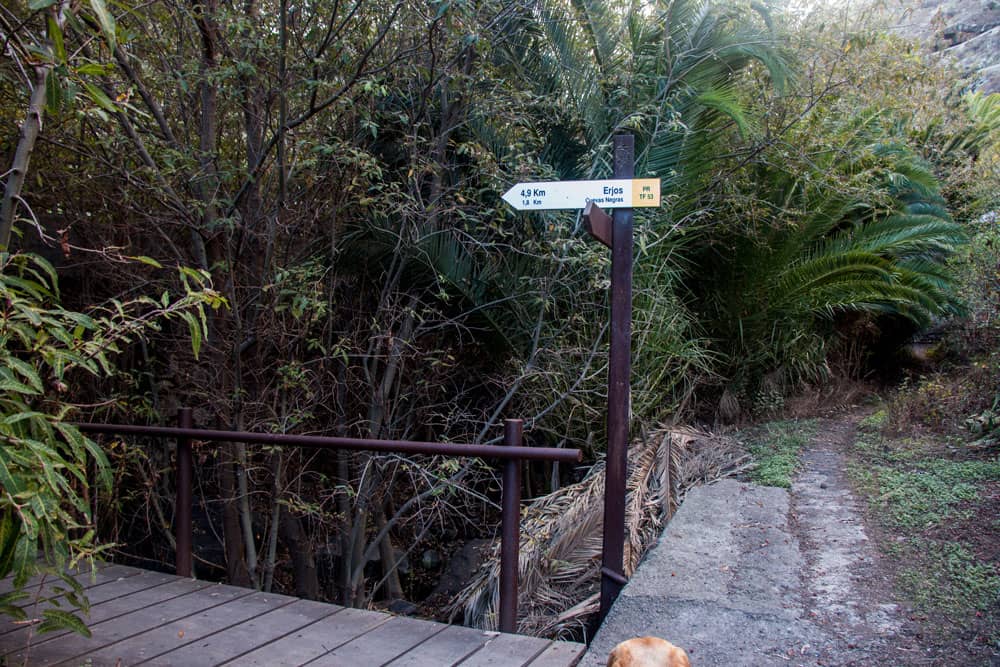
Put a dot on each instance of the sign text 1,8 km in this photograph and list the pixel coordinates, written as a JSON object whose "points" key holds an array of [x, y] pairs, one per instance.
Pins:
{"points": [[616, 193]]}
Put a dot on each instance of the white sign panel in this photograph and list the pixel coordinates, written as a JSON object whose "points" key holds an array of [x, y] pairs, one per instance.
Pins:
{"points": [[617, 193]]}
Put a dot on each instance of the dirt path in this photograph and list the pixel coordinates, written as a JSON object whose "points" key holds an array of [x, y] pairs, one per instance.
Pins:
{"points": [[843, 587], [848, 585], [750, 575]]}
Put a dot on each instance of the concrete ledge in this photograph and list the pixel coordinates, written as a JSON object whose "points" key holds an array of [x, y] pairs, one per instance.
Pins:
{"points": [[723, 581]]}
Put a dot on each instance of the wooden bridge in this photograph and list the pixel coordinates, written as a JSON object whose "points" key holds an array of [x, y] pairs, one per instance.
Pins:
{"points": [[139, 617]]}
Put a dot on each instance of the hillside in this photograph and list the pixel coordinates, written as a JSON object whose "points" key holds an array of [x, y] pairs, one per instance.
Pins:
{"points": [[967, 31]]}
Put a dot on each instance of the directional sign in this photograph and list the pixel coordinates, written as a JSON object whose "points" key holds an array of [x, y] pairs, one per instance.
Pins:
{"points": [[617, 193]]}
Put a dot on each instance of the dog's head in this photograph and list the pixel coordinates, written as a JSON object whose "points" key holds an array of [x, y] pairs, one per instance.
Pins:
{"points": [[648, 652]]}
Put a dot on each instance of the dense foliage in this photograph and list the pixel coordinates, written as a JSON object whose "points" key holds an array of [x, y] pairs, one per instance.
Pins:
{"points": [[335, 168], [46, 523]]}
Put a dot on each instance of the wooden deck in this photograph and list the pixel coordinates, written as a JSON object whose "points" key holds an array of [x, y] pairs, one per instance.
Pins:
{"points": [[139, 617]]}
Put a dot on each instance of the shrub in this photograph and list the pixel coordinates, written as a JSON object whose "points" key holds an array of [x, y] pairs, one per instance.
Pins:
{"points": [[45, 521]]}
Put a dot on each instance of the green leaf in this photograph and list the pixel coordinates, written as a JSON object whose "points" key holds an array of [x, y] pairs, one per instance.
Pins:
{"points": [[92, 69], [35, 5], [194, 326], [10, 529], [56, 35], [8, 384], [81, 319], [9, 606], [24, 560], [107, 22], [197, 275], [147, 260], [100, 458], [443, 8], [57, 619], [29, 287], [76, 595], [99, 98], [7, 480], [53, 94], [26, 371], [21, 416]]}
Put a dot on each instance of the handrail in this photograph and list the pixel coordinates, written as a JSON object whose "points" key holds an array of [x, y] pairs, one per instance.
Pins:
{"points": [[512, 452], [358, 444]]}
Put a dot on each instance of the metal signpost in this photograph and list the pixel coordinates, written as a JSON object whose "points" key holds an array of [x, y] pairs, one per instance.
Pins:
{"points": [[622, 193]]}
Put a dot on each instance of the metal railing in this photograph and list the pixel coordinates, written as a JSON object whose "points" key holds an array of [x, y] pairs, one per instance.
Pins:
{"points": [[512, 453]]}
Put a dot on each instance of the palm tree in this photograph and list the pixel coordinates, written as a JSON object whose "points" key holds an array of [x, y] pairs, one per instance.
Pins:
{"points": [[664, 70], [863, 230], [668, 72]]}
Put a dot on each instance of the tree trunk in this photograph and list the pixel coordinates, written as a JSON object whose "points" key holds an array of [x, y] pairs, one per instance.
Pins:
{"points": [[272, 538], [30, 129], [232, 534], [393, 587], [301, 550]]}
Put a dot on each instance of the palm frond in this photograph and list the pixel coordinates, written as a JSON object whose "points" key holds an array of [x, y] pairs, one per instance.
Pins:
{"points": [[561, 533]]}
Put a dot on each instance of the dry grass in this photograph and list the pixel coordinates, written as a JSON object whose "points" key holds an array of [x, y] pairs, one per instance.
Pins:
{"points": [[837, 394], [561, 533], [942, 402]]}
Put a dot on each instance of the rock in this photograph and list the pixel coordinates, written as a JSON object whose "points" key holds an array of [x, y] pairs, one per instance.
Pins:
{"points": [[430, 559], [966, 31], [461, 567], [403, 608]]}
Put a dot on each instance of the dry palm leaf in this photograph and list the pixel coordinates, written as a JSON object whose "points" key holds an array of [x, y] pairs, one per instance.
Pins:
{"points": [[561, 533]]}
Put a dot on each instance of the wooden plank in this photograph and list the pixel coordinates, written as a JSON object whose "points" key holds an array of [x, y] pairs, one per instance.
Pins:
{"points": [[448, 647], [559, 654], [96, 590], [133, 623], [141, 617], [245, 637], [110, 591], [183, 631], [165, 587], [384, 643], [507, 651], [315, 640], [81, 573]]}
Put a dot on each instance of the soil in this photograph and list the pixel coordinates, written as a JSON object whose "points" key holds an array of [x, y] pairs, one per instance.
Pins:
{"points": [[850, 583]]}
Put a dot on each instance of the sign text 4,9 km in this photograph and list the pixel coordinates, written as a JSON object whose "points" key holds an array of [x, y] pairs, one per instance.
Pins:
{"points": [[615, 193]]}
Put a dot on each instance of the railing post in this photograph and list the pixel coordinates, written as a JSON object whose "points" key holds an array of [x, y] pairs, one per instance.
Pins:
{"points": [[510, 527], [184, 499]]}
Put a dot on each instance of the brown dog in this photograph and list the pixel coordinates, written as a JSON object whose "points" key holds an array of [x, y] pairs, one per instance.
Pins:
{"points": [[648, 652]]}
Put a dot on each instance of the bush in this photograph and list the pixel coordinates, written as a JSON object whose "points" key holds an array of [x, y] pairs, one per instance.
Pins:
{"points": [[45, 521]]}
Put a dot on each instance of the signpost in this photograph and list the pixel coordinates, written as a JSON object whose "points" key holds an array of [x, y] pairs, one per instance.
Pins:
{"points": [[622, 193], [614, 193]]}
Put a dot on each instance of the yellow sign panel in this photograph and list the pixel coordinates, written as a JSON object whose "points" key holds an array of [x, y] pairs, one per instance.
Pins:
{"points": [[645, 192]]}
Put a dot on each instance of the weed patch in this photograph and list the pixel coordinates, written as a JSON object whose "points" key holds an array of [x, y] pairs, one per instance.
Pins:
{"points": [[948, 402], [874, 421], [948, 578], [916, 501], [939, 528], [775, 449]]}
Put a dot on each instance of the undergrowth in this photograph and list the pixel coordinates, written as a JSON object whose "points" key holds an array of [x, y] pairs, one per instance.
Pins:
{"points": [[922, 494], [775, 449], [931, 496], [948, 577]]}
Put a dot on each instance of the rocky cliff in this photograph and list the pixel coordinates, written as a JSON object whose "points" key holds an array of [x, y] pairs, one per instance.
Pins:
{"points": [[967, 31]]}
